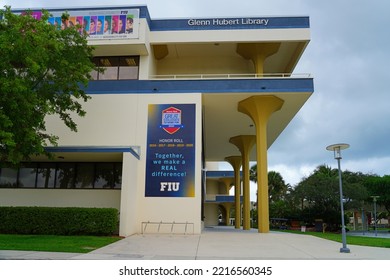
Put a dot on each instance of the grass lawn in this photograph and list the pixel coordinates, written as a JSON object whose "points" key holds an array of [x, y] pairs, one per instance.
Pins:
{"points": [[351, 240], [54, 243]]}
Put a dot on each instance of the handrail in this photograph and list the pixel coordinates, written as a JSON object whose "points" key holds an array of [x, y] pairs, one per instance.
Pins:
{"points": [[228, 76], [172, 224]]}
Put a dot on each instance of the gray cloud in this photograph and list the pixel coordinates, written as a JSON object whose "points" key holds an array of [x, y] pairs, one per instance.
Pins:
{"points": [[349, 59]]}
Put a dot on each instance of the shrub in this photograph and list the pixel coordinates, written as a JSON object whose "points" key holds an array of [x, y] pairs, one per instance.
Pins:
{"points": [[58, 221]]}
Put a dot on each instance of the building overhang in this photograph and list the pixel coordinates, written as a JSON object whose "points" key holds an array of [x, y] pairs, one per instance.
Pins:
{"points": [[88, 153], [220, 98]]}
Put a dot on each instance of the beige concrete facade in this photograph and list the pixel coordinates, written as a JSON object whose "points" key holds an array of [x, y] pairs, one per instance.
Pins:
{"points": [[212, 66]]}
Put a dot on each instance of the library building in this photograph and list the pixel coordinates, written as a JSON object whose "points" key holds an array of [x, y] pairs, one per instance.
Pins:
{"points": [[178, 97]]}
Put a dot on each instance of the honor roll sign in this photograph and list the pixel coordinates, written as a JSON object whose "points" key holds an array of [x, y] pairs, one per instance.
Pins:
{"points": [[170, 155]]}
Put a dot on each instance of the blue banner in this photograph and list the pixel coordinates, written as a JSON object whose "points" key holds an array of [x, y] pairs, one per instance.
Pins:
{"points": [[170, 155]]}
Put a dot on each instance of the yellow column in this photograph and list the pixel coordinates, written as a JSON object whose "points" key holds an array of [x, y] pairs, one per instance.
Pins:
{"points": [[257, 52], [227, 181], [227, 206], [245, 143], [235, 161], [259, 108]]}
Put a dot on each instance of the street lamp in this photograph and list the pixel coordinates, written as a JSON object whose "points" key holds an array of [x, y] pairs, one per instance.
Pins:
{"points": [[374, 199], [336, 148]]}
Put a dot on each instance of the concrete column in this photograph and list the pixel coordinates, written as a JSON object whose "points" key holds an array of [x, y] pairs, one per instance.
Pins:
{"points": [[235, 161], [227, 206], [227, 182], [245, 143], [257, 52], [259, 108]]}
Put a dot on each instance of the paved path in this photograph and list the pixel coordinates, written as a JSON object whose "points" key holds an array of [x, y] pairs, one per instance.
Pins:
{"points": [[217, 243]]}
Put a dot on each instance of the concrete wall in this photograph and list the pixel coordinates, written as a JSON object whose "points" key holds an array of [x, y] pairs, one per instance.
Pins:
{"points": [[204, 65], [61, 198], [111, 120], [129, 204], [211, 214]]}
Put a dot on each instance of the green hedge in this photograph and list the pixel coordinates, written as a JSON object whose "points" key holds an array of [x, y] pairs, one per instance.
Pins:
{"points": [[58, 221]]}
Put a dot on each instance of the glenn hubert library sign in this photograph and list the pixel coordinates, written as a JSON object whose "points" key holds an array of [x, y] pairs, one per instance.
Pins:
{"points": [[170, 155]]}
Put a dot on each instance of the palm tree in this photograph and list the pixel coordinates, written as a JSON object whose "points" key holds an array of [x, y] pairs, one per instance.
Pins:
{"points": [[277, 188]]}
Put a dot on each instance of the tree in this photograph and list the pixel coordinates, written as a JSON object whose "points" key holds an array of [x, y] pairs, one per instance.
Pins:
{"points": [[354, 189], [320, 194], [277, 188], [43, 70], [280, 200], [379, 186]]}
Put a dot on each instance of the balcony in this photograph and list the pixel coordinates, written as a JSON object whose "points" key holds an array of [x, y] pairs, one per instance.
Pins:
{"points": [[228, 76]]}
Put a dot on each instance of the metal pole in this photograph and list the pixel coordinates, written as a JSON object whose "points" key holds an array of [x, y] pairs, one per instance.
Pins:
{"points": [[343, 232], [336, 148]]}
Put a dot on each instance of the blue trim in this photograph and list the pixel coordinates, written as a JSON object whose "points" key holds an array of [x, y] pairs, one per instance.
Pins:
{"points": [[80, 149], [226, 198], [235, 23], [202, 86], [218, 174], [216, 23]]}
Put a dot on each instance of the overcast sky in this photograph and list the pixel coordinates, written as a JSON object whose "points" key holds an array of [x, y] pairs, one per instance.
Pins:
{"points": [[349, 57]]}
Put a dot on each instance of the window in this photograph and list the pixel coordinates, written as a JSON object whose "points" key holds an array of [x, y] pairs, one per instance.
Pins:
{"points": [[46, 175], [108, 175], [117, 175], [85, 175], [27, 176], [116, 68], [128, 68], [8, 177], [64, 175]]}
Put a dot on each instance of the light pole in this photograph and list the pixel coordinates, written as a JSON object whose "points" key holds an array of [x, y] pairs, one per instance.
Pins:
{"points": [[336, 148], [374, 199]]}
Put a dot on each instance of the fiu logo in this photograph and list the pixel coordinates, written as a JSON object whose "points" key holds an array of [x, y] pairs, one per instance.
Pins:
{"points": [[169, 186], [171, 120]]}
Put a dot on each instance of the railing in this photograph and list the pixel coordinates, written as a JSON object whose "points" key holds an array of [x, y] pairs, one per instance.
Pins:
{"points": [[211, 197], [163, 227], [227, 76]]}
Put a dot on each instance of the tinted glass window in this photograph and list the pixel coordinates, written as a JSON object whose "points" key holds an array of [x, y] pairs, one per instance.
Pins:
{"points": [[116, 68], [8, 177], [118, 175], [65, 175], [104, 175], [27, 176], [46, 175], [85, 175], [128, 68]]}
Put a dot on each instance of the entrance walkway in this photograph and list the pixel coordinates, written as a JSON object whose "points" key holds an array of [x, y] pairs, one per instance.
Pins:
{"points": [[217, 243]]}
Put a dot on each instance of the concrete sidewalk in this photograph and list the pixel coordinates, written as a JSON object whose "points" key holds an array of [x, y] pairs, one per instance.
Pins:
{"points": [[216, 243]]}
